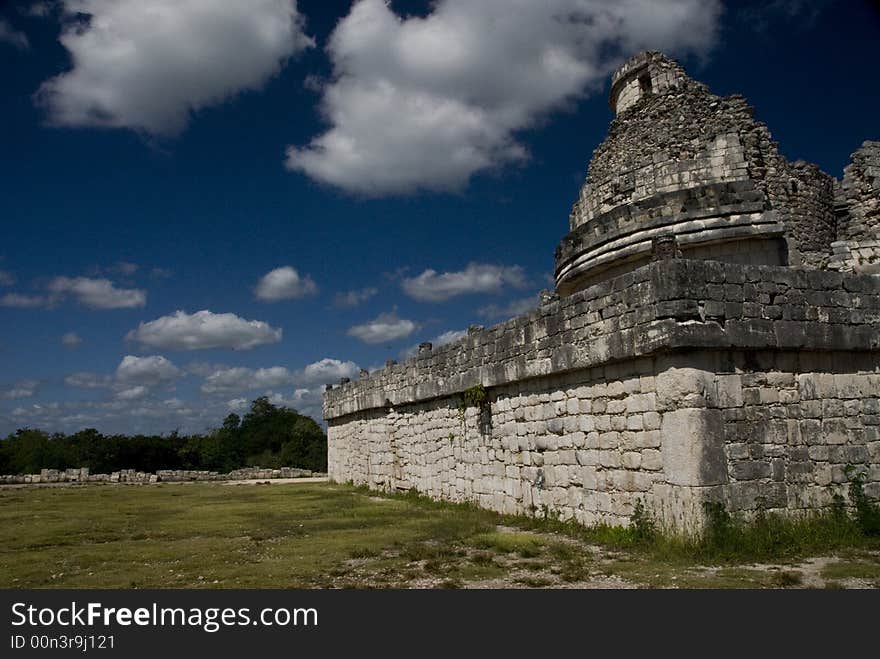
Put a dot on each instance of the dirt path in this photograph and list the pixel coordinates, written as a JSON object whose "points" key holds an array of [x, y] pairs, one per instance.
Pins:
{"points": [[513, 558]]}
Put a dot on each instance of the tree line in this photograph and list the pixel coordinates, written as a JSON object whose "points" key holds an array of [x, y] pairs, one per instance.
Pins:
{"points": [[267, 436]]}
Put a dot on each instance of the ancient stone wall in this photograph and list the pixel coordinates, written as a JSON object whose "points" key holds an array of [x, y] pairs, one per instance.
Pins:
{"points": [[714, 337], [860, 193], [803, 196], [680, 382], [857, 201]]}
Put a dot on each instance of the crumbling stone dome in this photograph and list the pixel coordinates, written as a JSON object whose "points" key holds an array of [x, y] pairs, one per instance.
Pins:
{"points": [[685, 167]]}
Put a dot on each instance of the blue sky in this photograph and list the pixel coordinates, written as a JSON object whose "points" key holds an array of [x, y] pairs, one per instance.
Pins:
{"points": [[203, 201]]}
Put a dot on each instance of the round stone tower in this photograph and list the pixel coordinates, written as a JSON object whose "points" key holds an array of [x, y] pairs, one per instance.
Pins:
{"points": [[684, 172]]}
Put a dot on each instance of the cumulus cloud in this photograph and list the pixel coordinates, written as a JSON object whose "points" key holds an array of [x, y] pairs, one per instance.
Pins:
{"points": [[21, 389], [96, 293], [129, 411], [385, 327], [149, 64], [423, 103], [449, 337], [152, 371], [13, 37], [353, 298], [240, 378], [326, 371], [203, 369], [134, 378], [23, 301], [230, 380], [71, 340], [509, 310], [431, 286], [85, 380], [87, 291], [304, 401], [133, 393], [284, 284], [204, 329], [237, 405]]}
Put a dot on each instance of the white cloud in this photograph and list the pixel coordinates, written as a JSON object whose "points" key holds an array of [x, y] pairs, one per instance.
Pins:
{"points": [[238, 405], [204, 329], [71, 340], [6, 279], [431, 286], [426, 102], [284, 284], [203, 369], [21, 389], [149, 64], [449, 337], [231, 380], [152, 371], [354, 298], [23, 301], [133, 393], [96, 293], [88, 291], [84, 380], [509, 310], [130, 410], [135, 377], [13, 37], [385, 327], [304, 401], [326, 371], [240, 378]]}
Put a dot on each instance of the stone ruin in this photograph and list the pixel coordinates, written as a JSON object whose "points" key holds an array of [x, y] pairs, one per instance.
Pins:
{"points": [[713, 337], [82, 475]]}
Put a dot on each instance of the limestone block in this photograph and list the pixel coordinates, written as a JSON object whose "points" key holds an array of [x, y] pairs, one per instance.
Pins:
{"points": [[684, 387], [729, 388], [693, 447]]}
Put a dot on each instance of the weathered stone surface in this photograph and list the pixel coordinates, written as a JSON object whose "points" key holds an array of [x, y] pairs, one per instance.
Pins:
{"points": [[693, 447], [715, 335]]}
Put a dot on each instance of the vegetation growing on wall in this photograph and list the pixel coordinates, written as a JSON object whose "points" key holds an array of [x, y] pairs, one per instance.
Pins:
{"points": [[475, 396]]}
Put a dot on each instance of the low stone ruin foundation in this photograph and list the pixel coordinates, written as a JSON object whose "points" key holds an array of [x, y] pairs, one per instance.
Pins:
{"points": [[82, 475]]}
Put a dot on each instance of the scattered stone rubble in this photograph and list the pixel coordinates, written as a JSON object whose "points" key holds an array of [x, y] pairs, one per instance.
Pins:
{"points": [[82, 475]]}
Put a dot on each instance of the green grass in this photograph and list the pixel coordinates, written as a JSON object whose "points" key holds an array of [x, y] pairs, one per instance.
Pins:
{"points": [[526, 545], [214, 535], [852, 570], [202, 535], [727, 539]]}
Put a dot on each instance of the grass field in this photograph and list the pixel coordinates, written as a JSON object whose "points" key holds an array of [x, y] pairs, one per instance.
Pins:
{"points": [[322, 535]]}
